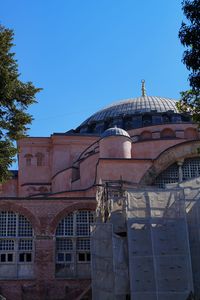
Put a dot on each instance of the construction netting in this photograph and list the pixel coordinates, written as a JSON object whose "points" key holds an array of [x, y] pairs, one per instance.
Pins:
{"points": [[156, 254]]}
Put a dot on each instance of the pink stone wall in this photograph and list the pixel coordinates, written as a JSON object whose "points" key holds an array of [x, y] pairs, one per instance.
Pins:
{"points": [[151, 149], [130, 170]]}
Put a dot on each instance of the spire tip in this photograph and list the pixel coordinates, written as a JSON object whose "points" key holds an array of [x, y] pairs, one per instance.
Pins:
{"points": [[143, 88]]}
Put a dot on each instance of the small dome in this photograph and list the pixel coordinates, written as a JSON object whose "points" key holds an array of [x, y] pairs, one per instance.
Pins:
{"points": [[114, 131]]}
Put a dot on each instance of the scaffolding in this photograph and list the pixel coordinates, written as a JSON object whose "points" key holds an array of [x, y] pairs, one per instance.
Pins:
{"points": [[140, 244], [158, 242]]}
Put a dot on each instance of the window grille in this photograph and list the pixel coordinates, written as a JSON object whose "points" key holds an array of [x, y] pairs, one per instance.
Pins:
{"points": [[83, 244], [64, 245], [7, 245], [24, 227], [190, 169], [16, 241], [83, 229], [65, 227], [25, 245], [72, 239]]}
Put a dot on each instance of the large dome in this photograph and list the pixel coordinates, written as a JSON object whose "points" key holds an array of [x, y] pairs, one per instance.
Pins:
{"points": [[134, 106], [133, 113]]}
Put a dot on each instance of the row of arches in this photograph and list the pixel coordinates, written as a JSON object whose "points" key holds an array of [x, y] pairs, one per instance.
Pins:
{"points": [[189, 133], [72, 245]]}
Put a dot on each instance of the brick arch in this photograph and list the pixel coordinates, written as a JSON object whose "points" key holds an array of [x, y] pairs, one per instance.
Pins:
{"points": [[87, 205], [15, 208], [190, 133], [167, 133], [168, 157], [146, 135]]}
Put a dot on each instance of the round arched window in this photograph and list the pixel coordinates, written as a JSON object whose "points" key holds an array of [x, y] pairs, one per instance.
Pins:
{"points": [[190, 168], [16, 246], [73, 245]]}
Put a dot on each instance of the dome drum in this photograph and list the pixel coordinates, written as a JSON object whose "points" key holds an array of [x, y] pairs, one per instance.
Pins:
{"points": [[134, 113], [129, 122]]}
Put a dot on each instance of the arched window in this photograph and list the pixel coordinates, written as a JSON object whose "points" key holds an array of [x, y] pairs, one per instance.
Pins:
{"points": [[28, 158], [190, 168], [167, 133], [170, 175], [16, 246], [146, 135], [191, 133], [73, 245], [40, 159]]}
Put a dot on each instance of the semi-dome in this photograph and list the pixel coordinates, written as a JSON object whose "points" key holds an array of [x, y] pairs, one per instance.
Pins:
{"points": [[114, 131], [134, 113]]}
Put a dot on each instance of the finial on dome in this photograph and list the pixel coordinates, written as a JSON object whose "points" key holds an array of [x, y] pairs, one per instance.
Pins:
{"points": [[143, 89]]}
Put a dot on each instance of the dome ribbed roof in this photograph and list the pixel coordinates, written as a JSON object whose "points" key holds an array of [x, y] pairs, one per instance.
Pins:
{"points": [[114, 131], [133, 106]]}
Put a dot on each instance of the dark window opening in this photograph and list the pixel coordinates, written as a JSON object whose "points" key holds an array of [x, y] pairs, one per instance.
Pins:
{"points": [[176, 119], [60, 256], [25, 257], [137, 122], [84, 257], [128, 123], [147, 120], [157, 120], [3, 257], [68, 257], [28, 257], [186, 118], [10, 257], [81, 256], [21, 257], [64, 257], [166, 119], [6, 257]]}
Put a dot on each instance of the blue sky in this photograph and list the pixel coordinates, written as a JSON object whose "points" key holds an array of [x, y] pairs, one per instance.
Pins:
{"points": [[86, 54]]}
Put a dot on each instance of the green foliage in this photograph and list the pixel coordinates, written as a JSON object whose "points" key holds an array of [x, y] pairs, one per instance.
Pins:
{"points": [[189, 35], [190, 103], [15, 98]]}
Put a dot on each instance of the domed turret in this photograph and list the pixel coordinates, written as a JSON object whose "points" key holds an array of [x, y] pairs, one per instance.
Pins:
{"points": [[114, 131], [115, 143]]}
